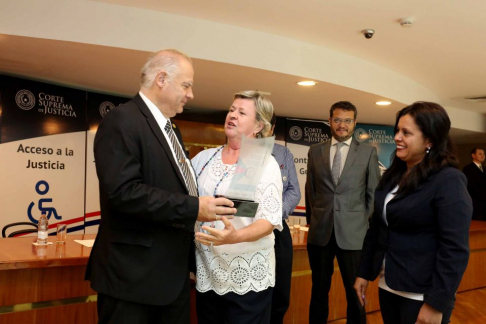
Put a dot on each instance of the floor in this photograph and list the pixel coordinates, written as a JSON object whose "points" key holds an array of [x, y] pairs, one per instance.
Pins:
{"points": [[470, 309]]}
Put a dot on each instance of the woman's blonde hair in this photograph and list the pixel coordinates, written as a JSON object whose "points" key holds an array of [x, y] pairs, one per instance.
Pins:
{"points": [[263, 108]]}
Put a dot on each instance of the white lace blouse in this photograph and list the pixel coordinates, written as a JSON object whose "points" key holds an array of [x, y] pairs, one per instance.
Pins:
{"points": [[241, 267]]}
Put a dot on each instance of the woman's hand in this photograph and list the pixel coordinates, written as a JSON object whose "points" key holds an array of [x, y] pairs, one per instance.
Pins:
{"points": [[215, 237], [229, 235], [360, 286], [428, 315]]}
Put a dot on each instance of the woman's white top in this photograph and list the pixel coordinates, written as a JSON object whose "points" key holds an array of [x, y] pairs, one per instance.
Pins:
{"points": [[240, 267], [381, 282]]}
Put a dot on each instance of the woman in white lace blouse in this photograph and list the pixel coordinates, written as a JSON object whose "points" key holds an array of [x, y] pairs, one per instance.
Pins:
{"points": [[235, 258]]}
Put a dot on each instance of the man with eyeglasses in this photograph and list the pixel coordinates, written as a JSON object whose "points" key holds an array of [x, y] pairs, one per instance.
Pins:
{"points": [[341, 178]]}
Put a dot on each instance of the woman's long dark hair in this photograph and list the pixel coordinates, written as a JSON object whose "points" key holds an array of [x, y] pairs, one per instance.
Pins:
{"points": [[434, 123]]}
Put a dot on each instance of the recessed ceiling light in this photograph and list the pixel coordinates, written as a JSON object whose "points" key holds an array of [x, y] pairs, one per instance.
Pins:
{"points": [[383, 103], [307, 83]]}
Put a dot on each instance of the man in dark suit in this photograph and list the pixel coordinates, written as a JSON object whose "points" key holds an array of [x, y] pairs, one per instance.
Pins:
{"points": [[342, 175], [476, 183], [149, 202]]}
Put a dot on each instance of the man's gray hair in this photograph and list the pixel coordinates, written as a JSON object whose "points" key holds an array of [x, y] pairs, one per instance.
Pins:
{"points": [[165, 60], [263, 108]]}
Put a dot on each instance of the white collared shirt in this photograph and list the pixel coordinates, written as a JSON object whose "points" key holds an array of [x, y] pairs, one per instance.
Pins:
{"points": [[344, 151], [162, 121]]}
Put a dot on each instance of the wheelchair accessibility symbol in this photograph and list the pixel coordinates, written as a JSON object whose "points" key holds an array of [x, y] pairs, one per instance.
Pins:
{"points": [[42, 187]]}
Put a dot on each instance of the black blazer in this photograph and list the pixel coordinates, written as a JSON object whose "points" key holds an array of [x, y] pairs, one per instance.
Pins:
{"points": [[426, 242], [476, 185], [143, 245]]}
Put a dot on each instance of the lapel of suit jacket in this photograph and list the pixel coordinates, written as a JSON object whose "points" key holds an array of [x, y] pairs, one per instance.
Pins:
{"points": [[154, 126], [420, 186], [326, 159], [352, 154]]}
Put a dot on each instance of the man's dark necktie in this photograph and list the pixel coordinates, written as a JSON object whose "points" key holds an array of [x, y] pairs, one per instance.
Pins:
{"points": [[181, 160]]}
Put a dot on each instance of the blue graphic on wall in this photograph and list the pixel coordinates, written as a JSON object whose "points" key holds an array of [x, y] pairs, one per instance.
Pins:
{"points": [[380, 137], [42, 187]]}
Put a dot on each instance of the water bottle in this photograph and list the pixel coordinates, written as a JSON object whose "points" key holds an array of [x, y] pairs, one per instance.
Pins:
{"points": [[42, 227]]}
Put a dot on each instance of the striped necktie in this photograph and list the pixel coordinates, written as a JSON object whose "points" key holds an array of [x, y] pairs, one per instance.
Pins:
{"points": [[181, 160], [336, 163]]}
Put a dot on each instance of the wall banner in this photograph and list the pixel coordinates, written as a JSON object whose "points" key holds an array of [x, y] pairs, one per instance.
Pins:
{"points": [[31, 109], [380, 137], [43, 153], [299, 136]]}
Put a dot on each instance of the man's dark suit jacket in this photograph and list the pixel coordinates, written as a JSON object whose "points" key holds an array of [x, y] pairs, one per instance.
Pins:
{"points": [[476, 185], [426, 242], [142, 249], [347, 207]]}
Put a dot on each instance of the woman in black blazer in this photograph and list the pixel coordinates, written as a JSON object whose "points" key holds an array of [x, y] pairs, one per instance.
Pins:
{"points": [[418, 240]]}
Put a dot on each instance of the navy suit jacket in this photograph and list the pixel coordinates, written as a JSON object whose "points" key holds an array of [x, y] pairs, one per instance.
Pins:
{"points": [[142, 250], [426, 242]]}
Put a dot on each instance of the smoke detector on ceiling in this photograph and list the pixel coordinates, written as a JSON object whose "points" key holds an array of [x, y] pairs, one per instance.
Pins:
{"points": [[406, 22]]}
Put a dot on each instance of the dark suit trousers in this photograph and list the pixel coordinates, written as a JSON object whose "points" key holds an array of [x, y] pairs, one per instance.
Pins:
{"points": [[400, 310], [321, 259], [112, 310], [249, 308], [283, 274]]}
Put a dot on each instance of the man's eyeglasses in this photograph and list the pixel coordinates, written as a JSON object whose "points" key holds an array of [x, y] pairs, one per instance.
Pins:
{"points": [[345, 121]]}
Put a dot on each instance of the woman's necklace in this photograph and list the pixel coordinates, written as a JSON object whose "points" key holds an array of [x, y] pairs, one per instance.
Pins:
{"points": [[227, 169], [210, 159]]}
